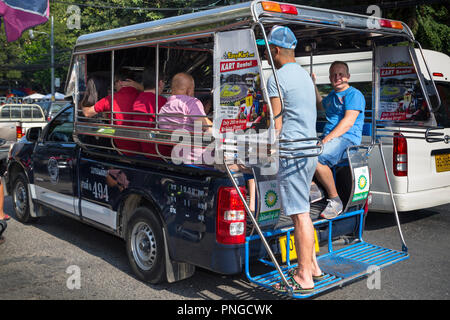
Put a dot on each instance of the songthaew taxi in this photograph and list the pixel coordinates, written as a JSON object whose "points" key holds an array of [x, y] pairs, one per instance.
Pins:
{"points": [[175, 212]]}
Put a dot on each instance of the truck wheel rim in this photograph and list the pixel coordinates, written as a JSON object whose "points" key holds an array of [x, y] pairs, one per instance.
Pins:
{"points": [[143, 246], [20, 198]]}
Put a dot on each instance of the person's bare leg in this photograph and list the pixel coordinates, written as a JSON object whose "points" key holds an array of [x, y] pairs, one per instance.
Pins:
{"points": [[304, 243], [2, 196], [252, 194], [316, 271], [326, 179]]}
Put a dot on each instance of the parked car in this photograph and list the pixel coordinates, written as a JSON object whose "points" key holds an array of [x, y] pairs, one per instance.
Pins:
{"points": [[15, 119], [52, 108]]}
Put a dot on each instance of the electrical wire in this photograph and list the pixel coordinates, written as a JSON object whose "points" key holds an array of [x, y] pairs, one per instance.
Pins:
{"points": [[104, 6]]}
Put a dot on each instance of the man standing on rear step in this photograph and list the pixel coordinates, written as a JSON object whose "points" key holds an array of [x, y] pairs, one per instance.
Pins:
{"points": [[295, 174], [344, 109]]}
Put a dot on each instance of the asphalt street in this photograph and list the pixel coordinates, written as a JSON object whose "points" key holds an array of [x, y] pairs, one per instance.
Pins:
{"points": [[41, 260]]}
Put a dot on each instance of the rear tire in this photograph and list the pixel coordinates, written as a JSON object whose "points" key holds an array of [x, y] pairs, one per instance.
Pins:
{"points": [[21, 200], [145, 246]]}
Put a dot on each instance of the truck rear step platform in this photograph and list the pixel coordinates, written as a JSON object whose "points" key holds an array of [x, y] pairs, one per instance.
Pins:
{"points": [[340, 266]]}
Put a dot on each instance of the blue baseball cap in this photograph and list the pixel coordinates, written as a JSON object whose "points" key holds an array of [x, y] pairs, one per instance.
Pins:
{"points": [[281, 37]]}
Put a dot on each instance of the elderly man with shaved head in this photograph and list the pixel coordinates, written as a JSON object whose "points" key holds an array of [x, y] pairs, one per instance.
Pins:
{"points": [[180, 112]]}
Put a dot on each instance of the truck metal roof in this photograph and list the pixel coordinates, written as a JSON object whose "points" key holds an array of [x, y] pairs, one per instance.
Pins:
{"points": [[224, 18], [187, 24]]}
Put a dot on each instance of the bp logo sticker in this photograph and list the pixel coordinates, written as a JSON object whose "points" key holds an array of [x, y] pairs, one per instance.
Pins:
{"points": [[361, 175], [362, 181], [271, 198], [269, 203]]}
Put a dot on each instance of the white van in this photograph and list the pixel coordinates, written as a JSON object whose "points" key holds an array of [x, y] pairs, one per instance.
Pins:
{"points": [[422, 178]]}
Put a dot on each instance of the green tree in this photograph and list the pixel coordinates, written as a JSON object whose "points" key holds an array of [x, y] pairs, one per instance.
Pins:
{"points": [[429, 23], [9, 52], [432, 29]]}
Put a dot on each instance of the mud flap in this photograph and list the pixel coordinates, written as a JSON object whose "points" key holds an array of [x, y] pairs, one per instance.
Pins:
{"points": [[176, 271]]}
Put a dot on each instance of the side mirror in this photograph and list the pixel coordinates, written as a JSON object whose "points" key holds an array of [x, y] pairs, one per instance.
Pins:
{"points": [[33, 134]]}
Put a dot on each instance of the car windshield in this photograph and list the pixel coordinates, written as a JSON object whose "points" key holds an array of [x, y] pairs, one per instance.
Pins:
{"points": [[56, 106], [45, 105], [443, 113], [51, 108]]}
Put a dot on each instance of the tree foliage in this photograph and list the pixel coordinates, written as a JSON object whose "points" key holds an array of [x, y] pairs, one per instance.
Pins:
{"points": [[427, 19], [432, 29]]}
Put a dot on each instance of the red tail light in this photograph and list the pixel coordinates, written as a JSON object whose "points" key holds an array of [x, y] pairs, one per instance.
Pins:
{"points": [[230, 216], [391, 24], [19, 132], [286, 8], [400, 155], [277, 7]]}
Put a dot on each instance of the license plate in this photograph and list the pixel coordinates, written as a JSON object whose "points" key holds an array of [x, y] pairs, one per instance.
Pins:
{"points": [[442, 162], [292, 251]]}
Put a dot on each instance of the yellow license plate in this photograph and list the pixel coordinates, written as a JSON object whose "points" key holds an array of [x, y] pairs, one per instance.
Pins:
{"points": [[292, 251], [442, 162]]}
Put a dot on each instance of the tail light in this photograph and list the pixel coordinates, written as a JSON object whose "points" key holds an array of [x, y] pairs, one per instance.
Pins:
{"points": [[19, 132], [400, 155], [230, 216], [391, 24], [277, 7]]}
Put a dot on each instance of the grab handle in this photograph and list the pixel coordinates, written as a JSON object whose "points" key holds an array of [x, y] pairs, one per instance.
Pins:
{"points": [[318, 146]]}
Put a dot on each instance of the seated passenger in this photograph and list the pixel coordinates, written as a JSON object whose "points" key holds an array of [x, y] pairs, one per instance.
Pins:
{"points": [[145, 103], [182, 102], [344, 108], [126, 92], [207, 101], [96, 89]]}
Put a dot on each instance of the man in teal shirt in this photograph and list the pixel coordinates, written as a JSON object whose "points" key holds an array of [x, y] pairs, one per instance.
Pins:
{"points": [[344, 109]]}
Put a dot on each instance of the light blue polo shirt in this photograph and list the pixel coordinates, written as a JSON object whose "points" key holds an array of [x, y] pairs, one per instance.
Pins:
{"points": [[336, 103], [299, 121], [298, 93]]}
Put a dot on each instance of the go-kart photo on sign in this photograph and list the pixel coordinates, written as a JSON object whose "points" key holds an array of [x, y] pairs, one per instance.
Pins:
{"points": [[401, 97], [238, 92]]}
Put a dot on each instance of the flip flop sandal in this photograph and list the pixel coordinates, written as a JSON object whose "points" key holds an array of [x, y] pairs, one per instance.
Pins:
{"points": [[318, 278], [6, 218], [292, 271], [296, 287]]}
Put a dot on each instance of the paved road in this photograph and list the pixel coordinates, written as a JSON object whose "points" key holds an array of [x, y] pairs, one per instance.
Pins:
{"points": [[35, 259]]}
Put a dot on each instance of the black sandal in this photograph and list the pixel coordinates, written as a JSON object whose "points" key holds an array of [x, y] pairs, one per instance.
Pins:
{"points": [[296, 287], [293, 271]]}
